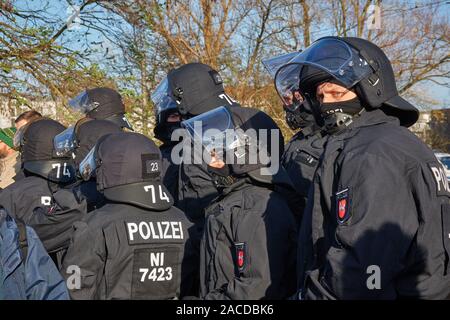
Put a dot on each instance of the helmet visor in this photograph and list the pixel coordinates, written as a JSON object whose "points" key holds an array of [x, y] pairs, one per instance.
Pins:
{"points": [[82, 103], [162, 98], [330, 55], [273, 64], [88, 165], [287, 86], [212, 129], [65, 142], [337, 58], [18, 138]]}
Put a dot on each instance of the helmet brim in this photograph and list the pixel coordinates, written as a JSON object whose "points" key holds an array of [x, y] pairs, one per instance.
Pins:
{"points": [[405, 111]]}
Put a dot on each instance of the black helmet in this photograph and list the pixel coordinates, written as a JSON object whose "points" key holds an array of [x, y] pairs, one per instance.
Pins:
{"points": [[239, 136], [353, 63], [197, 88], [128, 170], [88, 133], [39, 156], [379, 90], [101, 104], [77, 140], [165, 105]]}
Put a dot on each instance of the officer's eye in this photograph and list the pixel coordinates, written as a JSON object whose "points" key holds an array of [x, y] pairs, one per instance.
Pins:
{"points": [[338, 94]]}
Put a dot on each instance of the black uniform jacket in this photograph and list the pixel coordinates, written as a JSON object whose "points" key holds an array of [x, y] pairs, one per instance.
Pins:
{"points": [[127, 252], [300, 159], [45, 206], [249, 244], [377, 224]]}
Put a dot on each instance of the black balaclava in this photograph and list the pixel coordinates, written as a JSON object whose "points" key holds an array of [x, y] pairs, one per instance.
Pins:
{"points": [[87, 135], [299, 119], [163, 129], [334, 115]]}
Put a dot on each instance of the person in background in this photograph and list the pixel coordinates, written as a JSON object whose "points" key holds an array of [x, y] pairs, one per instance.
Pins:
{"points": [[26, 117], [9, 162], [23, 119], [302, 153]]}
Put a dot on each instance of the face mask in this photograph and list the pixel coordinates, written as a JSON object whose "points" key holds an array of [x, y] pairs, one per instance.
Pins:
{"points": [[164, 132], [338, 115], [172, 126], [350, 107]]}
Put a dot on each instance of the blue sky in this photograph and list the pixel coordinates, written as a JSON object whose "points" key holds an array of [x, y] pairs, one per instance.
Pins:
{"points": [[59, 9]]}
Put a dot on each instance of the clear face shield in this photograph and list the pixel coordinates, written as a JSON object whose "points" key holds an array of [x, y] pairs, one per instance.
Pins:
{"points": [[65, 142], [81, 103], [331, 55], [162, 98], [287, 85], [273, 64], [216, 131], [88, 165], [18, 138]]}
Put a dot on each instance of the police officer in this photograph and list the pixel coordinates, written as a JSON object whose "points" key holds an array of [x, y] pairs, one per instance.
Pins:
{"points": [[76, 142], [137, 245], [167, 121], [302, 152], [101, 104], [73, 201], [196, 88], [35, 199], [377, 222], [248, 248]]}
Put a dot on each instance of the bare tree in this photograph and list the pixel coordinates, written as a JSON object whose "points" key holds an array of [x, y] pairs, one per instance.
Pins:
{"points": [[415, 37]]}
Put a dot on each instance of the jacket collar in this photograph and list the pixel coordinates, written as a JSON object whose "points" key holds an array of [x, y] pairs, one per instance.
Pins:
{"points": [[365, 119]]}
